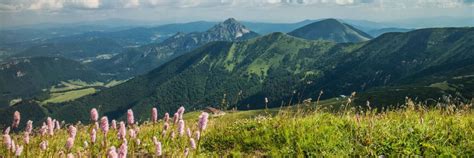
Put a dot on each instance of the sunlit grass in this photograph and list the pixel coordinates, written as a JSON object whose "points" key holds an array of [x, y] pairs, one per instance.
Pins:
{"points": [[69, 95], [302, 130]]}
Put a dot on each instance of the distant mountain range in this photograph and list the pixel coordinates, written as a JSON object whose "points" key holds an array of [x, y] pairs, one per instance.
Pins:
{"points": [[140, 60], [378, 32], [227, 64], [425, 63], [127, 34]]}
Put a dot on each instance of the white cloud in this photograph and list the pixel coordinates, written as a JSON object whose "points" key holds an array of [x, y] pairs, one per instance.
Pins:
{"points": [[344, 2], [86, 4], [46, 5], [19, 5], [8, 7], [131, 3]]}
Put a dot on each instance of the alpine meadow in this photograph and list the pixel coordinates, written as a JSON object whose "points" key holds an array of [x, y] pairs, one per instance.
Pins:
{"points": [[232, 78]]}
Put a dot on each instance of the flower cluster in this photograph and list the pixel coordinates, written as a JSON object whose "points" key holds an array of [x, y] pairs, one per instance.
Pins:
{"points": [[124, 138]]}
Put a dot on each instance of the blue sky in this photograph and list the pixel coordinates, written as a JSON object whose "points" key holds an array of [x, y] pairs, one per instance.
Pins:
{"points": [[18, 12]]}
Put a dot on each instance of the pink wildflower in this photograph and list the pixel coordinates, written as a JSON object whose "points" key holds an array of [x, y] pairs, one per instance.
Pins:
{"points": [[104, 124], [93, 136], [44, 145], [132, 133], [173, 134], [154, 115], [29, 126], [43, 129], [181, 127], [18, 151], [70, 143], [122, 132], [193, 143], [7, 141], [72, 131], [70, 155], [96, 125], [112, 153], [203, 119], [186, 152], [7, 131], [188, 132], [175, 118], [113, 124], [50, 124], [198, 135], [123, 150], [180, 112], [158, 151], [130, 118], [94, 115], [16, 119], [167, 117], [58, 126]]}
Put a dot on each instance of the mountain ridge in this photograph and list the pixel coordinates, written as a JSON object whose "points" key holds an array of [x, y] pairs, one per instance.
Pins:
{"points": [[143, 59], [332, 30], [285, 69]]}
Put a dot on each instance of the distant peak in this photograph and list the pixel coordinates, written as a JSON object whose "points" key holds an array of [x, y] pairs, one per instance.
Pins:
{"points": [[330, 30], [230, 21], [330, 20], [230, 29], [232, 26]]}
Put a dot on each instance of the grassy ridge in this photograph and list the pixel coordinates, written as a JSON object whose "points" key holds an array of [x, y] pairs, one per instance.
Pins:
{"points": [[401, 132], [303, 130]]}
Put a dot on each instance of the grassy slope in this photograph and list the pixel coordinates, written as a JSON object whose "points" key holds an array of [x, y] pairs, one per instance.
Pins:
{"points": [[26, 78], [68, 96], [74, 89], [309, 131], [275, 65]]}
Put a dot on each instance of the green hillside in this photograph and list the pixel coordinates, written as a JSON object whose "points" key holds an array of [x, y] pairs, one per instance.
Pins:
{"points": [[140, 60], [23, 78], [287, 70]]}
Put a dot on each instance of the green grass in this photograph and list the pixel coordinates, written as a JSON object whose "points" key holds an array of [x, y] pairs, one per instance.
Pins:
{"points": [[443, 85], [69, 95], [305, 130], [73, 85], [74, 89]]}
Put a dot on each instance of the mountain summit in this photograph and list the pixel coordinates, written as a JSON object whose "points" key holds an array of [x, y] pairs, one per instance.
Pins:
{"points": [[230, 30], [145, 58], [331, 30]]}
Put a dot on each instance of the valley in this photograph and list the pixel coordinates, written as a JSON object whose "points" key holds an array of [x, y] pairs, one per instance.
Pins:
{"points": [[229, 66], [321, 87]]}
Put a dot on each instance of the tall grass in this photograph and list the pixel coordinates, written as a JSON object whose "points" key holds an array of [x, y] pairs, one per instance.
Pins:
{"points": [[302, 130]]}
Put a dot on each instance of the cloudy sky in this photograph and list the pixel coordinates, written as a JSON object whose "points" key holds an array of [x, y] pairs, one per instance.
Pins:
{"points": [[19, 12]]}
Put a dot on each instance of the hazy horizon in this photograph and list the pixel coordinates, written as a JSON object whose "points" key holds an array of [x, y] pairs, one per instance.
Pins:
{"points": [[30, 12]]}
